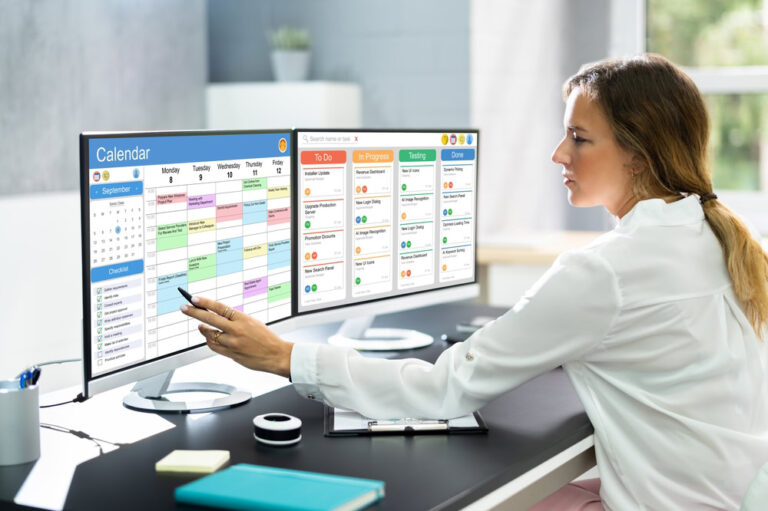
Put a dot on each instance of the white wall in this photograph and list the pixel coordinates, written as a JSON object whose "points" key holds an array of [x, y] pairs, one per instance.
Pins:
{"points": [[40, 296], [520, 54], [68, 66]]}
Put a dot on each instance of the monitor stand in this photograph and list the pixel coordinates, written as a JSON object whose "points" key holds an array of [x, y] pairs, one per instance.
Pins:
{"points": [[147, 396], [354, 333]]}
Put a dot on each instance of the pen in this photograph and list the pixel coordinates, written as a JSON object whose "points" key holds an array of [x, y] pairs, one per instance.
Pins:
{"points": [[29, 377], [189, 298]]}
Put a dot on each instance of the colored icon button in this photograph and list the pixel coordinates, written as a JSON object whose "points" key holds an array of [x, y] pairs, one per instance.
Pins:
{"points": [[307, 289]]}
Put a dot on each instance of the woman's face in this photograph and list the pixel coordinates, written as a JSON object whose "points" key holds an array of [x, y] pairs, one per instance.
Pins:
{"points": [[596, 171]]}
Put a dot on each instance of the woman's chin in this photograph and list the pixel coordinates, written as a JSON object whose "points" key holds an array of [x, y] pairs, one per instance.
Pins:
{"points": [[577, 201]]}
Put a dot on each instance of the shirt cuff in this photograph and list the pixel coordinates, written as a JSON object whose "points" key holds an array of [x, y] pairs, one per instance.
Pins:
{"points": [[304, 370]]}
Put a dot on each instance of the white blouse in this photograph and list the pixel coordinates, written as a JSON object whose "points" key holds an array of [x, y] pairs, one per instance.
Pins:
{"points": [[647, 326]]}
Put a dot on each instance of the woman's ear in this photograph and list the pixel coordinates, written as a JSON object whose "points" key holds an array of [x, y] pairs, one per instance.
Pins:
{"points": [[636, 165]]}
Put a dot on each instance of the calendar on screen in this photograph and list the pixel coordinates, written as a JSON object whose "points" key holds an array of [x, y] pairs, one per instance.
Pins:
{"points": [[210, 213]]}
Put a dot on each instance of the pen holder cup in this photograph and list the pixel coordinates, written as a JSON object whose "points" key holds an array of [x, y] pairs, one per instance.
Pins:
{"points": [[19, 423]]}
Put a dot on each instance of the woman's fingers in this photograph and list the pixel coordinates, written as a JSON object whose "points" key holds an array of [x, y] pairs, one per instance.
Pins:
{"points": [[212, 305], [217, 348], [213, 335], [245, 340], [218, 314], [214, 339], [206, 317]]}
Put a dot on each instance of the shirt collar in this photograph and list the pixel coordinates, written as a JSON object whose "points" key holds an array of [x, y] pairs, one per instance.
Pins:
{"points": [[657, 212]]}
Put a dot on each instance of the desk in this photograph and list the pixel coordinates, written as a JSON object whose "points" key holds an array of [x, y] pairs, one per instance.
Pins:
{"points": [[507, 268], [539, 438]]}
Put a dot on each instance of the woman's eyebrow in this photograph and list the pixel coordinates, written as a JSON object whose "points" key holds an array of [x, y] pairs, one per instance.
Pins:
{"points": [[573, 127]]}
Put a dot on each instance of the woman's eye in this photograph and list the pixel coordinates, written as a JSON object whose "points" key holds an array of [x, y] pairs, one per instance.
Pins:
{"points": [[577, 139]]}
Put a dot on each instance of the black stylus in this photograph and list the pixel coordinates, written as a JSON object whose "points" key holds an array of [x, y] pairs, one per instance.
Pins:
{"points": [[189, 298]]}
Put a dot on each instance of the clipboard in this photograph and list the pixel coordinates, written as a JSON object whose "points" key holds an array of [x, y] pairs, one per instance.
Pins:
{"points": [[338, 423]]}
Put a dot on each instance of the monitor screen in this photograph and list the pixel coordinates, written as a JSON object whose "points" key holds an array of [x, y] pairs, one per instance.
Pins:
{"points": [[206, 211], [382, 214]]}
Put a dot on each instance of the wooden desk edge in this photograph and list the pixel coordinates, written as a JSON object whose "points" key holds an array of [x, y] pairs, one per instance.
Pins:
{"points": [[544, 253], [541, 481]]}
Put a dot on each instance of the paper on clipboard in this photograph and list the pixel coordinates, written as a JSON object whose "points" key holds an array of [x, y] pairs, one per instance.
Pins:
{"points": [[346, 420]]}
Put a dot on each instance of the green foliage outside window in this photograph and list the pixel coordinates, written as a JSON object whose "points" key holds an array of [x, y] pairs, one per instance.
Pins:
{"points": [[721, 33]]}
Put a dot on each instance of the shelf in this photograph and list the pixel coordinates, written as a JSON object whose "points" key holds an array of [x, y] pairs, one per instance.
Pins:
{"points": [[278, 105]]}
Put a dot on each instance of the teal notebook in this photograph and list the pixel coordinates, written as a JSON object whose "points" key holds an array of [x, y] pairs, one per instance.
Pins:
{"points": [[254, 487]]}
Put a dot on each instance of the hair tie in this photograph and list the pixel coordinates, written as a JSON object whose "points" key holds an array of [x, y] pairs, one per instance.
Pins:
{"points": [[707, 196]]}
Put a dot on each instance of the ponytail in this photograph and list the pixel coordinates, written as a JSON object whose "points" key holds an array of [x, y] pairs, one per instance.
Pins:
{"points": [[746, 260]]}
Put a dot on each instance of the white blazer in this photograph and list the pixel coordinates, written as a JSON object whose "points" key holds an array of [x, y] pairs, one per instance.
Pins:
{"points": [[646, 324]]}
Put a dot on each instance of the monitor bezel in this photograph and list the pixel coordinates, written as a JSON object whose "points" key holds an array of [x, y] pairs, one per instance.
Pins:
{"points": [[169, 361], [332, 312]]}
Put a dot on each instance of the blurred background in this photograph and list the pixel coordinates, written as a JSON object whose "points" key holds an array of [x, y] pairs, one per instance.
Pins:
{"points": [[68, 66]]}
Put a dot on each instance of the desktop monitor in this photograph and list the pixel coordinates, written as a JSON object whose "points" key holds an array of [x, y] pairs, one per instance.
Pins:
{"points": [[202, 210], [386, 221]]}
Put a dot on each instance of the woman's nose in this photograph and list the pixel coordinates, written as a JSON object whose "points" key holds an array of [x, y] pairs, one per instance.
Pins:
{"points": [[559, 155]]}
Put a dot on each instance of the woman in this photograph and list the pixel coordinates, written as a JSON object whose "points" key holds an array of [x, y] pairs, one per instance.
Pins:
{"points": [[658, 323]]}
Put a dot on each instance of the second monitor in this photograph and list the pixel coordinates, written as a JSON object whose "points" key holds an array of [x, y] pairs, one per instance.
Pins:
{"points": [[384, 214]]}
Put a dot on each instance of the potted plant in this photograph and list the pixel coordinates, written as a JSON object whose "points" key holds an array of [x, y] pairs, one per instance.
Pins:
{"points": [[290, 53]]}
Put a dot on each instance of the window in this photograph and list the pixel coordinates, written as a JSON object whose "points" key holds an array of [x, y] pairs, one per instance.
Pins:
{"points": [[723, 46]]}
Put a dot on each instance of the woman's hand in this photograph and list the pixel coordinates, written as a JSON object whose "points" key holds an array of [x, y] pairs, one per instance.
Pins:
{"points": [[238, 336]]}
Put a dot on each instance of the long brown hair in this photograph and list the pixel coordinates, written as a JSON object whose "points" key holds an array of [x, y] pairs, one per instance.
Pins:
{"points": [[658, 115]]}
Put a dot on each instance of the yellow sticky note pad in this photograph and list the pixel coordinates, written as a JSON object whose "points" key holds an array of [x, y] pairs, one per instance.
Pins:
{"points": [[198, 462]]}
